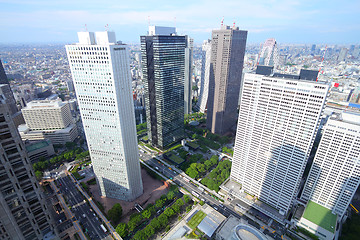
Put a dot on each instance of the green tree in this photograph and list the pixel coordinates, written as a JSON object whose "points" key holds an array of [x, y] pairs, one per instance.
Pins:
{"points": [[169, 212], [163, 219], [187, 198], [214, 160], [146, 214], [38, 175], [179, 202], [201, 203], [159, 203], [122, 229], [140, 235], [176, 208], [170, 195], [155, 223], [192, 173], [149, 231], [115, 213]]}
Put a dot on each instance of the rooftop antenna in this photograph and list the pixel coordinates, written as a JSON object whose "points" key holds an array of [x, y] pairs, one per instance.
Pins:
{"points": [[107, 27], [322, 60], [234, 24], [86, 28], [222, 21]]}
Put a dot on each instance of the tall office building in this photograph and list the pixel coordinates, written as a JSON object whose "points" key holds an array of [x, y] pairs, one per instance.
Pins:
{"points": [[205, 74], [3, 77], [163, 63], [188, 75], [226, 65], [335, 173], [23, 214], [101, 74], [278, 120], [342, 55], [269, 55]]}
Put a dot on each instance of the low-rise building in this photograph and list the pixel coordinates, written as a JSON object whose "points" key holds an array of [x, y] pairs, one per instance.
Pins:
{"points": [[39, 149]]}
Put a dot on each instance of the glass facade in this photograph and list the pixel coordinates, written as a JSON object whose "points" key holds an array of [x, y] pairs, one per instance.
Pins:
{"points": [[163, 62]]}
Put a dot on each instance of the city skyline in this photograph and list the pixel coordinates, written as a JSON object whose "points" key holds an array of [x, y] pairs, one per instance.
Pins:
{"points": [[295, 22]]}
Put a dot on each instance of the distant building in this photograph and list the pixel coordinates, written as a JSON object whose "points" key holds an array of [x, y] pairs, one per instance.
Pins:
{"points": [[48, 119], [342, 55], [163, 63], [226, 65], [269, 55], [70, 86], [205, 75], [47, 115], [278, 121], [188, 75], [23, 214], [100, 69]]}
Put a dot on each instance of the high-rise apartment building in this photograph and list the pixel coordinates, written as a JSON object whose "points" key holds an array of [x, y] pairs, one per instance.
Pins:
{"points": [[23, 214], [205, 74], [163, 63], [269, 55], [335, 173], [188, 75], [101, 74], [278, 120], [226, 65]]}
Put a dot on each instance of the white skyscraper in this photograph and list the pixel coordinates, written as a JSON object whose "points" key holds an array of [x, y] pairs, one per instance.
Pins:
{"points": [[278, 120], [188, 74], [101, 74], [205, 74], [335, 173], [269, 55]]}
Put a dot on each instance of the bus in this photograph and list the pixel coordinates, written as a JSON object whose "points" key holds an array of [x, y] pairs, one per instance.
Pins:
{"points": [[103, 228], [195, 194]]}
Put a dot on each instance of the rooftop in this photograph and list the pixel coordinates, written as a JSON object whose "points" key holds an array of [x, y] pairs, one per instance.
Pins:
{"points": [[321, 216], [44, 104], [36, 146]]}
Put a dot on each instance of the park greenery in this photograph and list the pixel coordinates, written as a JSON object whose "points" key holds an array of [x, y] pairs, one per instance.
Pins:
{"points": [[217, 176], [43, 163], [115, 213], [197, 166], [146, 223], [228, 151], [141, 128]]}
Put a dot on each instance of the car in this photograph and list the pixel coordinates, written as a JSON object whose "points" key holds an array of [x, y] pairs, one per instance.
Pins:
{"points": [[94, 214], [84, 216], [216, 208], [156, 168], [220, 205]]}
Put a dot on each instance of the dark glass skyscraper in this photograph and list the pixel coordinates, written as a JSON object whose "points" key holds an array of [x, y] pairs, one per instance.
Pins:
{"points": [[3, 77], [163, 62]]}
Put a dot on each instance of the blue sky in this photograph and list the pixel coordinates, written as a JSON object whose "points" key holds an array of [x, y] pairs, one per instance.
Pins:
{"points": [[289, 21]]}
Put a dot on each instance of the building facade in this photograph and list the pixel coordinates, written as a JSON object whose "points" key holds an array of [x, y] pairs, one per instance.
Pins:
{"points": [[205, 74], [188, 75], [226, 65], [23, 213], [278, 121], [47, 115], [163, 63], [100, 70], [335, 173]]}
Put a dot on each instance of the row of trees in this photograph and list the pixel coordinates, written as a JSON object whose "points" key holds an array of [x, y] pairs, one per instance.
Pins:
{"points": [[138, 219], [141, 128], [228, 151], [197, 170], [115, 213], [43, 163], [217, 176]]}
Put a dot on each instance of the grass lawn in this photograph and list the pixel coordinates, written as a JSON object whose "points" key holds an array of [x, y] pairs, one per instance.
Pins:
{"points": [[196, 219], [176, 159], [321, 216], [192, 145]]}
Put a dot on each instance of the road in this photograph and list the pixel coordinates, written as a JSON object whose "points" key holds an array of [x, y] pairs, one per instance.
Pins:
{"points": [[225, 209], [80, 209]]}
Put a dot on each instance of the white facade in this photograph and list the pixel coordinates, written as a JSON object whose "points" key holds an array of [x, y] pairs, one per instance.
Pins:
{"points": [[188, 75], [277, 124], [269, 55], [47, 115], [101, 76], [335, 173], [205, 74]]}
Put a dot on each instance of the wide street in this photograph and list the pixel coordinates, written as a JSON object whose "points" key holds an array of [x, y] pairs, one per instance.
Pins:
{"points": [[80, 209], [225, 209]]}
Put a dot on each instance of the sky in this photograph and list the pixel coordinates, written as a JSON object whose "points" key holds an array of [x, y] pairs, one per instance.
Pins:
{"points": [[288, 21]]}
